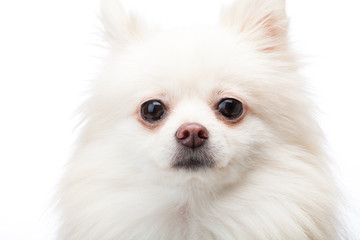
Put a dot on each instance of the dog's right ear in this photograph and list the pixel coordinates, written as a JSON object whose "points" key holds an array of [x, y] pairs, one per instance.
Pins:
{"points": [[119, 26], [263, 21]]}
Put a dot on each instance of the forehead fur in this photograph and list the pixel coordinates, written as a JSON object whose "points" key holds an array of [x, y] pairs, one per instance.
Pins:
{"points": [[189, 62]]}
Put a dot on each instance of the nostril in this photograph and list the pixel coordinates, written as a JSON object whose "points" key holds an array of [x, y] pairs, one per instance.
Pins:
{"points": [[203, 134], [185, 134], [182, 133]]}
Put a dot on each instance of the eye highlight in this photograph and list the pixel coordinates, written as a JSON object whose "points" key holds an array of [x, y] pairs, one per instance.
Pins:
{"points": [[152, 111], [230, 108]]}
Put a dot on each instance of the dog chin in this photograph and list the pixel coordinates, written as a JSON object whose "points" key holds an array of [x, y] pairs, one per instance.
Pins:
{"points": [[193, 159]]}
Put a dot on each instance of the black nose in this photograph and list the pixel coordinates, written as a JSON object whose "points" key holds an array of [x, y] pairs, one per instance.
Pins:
{"points": [[192, 135]]}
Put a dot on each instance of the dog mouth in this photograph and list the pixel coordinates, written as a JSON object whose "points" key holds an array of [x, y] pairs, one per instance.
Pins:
{"points": [[193, 164], [192, 160]]}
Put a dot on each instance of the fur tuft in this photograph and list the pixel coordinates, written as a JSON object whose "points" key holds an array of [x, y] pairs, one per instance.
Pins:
{"points": [[120, 28], [264, 22]]}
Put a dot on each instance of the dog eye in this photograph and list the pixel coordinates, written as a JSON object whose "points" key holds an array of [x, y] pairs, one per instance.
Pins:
{"points": [[230, 108], [152, 111]]}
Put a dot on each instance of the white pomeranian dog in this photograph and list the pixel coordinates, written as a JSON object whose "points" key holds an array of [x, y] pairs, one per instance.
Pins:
{"points": [[199, 134]]}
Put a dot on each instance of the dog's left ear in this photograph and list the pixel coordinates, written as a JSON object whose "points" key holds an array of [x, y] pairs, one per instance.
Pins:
{"points": [[120, 27], [263, 21]]}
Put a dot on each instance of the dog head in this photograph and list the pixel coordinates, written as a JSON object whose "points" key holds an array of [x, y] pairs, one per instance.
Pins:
{"points": [[203, 104]]}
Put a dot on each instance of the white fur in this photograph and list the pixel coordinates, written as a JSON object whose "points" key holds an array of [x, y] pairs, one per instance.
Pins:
{"points": [[271, 179]]}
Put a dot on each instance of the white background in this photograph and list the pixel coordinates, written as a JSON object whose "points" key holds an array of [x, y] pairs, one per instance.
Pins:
{"points": [[48, 53]]}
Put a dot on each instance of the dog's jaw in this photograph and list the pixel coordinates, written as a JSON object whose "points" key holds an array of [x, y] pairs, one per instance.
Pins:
{"points": [[193, 159]]}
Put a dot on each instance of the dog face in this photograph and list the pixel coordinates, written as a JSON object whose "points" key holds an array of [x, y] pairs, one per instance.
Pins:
{"points": [[201, 104], [199, 134]]}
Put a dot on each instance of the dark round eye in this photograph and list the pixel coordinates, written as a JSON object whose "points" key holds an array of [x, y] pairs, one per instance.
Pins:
{"points": [[230, 108], [152, 111]]}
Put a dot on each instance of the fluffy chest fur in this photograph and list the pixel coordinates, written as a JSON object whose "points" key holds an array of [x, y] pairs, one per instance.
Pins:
{"points": [[269, 203]]}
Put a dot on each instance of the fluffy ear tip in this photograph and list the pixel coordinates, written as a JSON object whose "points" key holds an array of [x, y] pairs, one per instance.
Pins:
{"points": [[119, 26], [111, 9], [262, 20], [111, 6]]}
